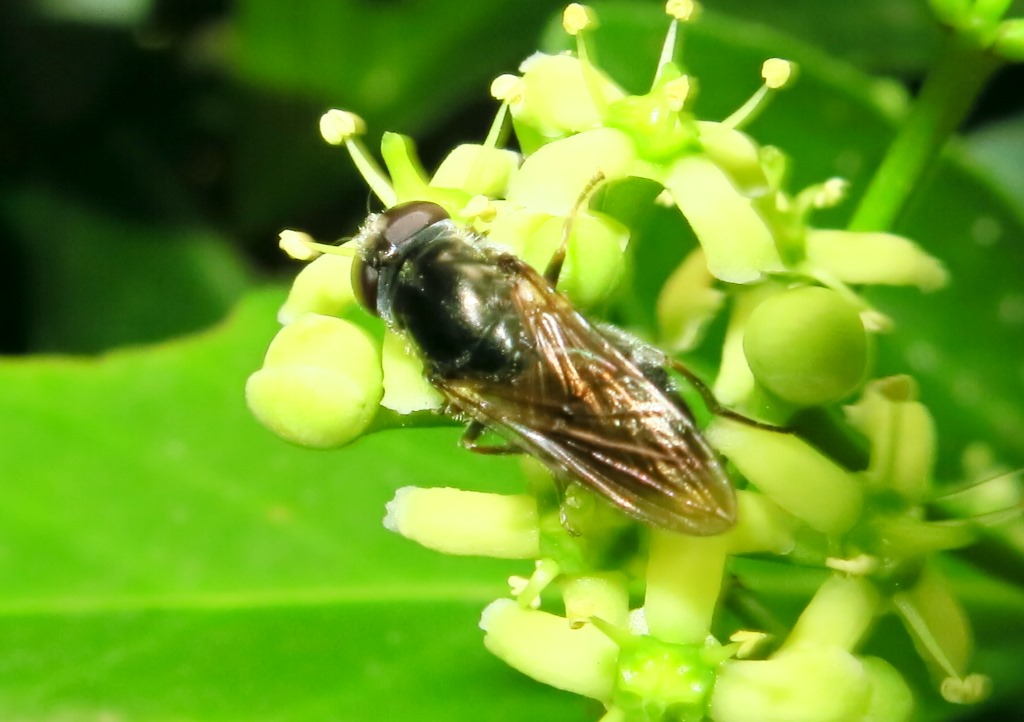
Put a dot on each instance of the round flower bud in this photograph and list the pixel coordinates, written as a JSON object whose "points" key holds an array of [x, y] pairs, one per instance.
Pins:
{"points": [[321, 287], [321, 383], [807, 345]]}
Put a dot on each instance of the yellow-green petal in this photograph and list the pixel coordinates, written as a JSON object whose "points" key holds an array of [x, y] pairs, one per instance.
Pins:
{"points": [[551, 650], [877, 258], [798, 477], [406, 389], [684, 580], [812, 684], [902, 436], [737, 242], [687, 303], [477, 170], [454, 521]]}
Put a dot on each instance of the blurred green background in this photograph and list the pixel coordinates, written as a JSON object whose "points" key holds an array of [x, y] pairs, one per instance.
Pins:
{"points": [[164, 558]]}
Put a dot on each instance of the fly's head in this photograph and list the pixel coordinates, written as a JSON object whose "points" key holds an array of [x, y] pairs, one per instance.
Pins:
{"points": [[385, 241]]}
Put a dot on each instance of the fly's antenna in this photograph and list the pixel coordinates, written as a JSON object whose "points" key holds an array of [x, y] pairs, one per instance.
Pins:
{"points": [[302, 247]]}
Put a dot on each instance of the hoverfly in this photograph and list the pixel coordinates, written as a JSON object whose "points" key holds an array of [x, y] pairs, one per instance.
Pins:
{"points": [[509, 353]]}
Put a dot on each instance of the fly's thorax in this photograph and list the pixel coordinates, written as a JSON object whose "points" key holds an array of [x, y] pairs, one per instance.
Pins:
{"points": [[454, 300], [440, 286]]}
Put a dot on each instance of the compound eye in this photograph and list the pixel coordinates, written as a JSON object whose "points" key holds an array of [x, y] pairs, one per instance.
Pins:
{"points": [[391, 231], [407, 219], [364, 284]]}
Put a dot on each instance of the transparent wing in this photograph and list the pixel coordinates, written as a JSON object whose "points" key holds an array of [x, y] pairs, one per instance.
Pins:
{"points": [[588, 413]]}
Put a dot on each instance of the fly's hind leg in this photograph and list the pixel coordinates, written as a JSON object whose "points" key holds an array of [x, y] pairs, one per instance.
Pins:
{"points": [[715, 407], [563, 491], [473, 432], [554, 269]]}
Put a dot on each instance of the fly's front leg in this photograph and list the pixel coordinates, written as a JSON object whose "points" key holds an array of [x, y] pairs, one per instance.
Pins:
{"points": [[473, 432], [715, 407], [554, 269]]}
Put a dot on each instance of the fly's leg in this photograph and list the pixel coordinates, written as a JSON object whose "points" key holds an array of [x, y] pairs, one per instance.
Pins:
{"points": [[716, 408], [469, 438], [473, 432], [562, 490], [554, 269]]}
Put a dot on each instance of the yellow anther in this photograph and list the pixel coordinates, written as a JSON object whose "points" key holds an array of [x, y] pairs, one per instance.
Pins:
{"points": [[857, 566], [297, 245], [831, 192], [577, 17], [337, 126], [748, 641], [677, 91], [777, 73], [970, 690], [508, 88], [517, 584], [682, 10], [480, 208]]}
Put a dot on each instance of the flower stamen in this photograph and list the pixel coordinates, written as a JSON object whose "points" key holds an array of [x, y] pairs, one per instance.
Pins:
{"points": [[342, 127], [578, 20], [302, 247], [777, 74]]}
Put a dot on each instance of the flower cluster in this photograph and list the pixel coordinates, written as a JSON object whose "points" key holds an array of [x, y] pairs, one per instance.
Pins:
{"points": [[614, 611]]}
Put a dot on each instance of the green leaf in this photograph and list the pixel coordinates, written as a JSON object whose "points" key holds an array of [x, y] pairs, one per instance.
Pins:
{"points": [[165, 558], [998, 148], [406, 62], [97, 282], [880, 36], [401, 66]]}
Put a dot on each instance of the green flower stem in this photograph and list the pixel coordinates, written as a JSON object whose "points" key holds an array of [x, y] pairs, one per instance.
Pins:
{"points": [[936, 622], [762, 526], [902, 436], [839, 615], [598, 595], [684, 579], [907, 537], [545, 571], [948, 94]]}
